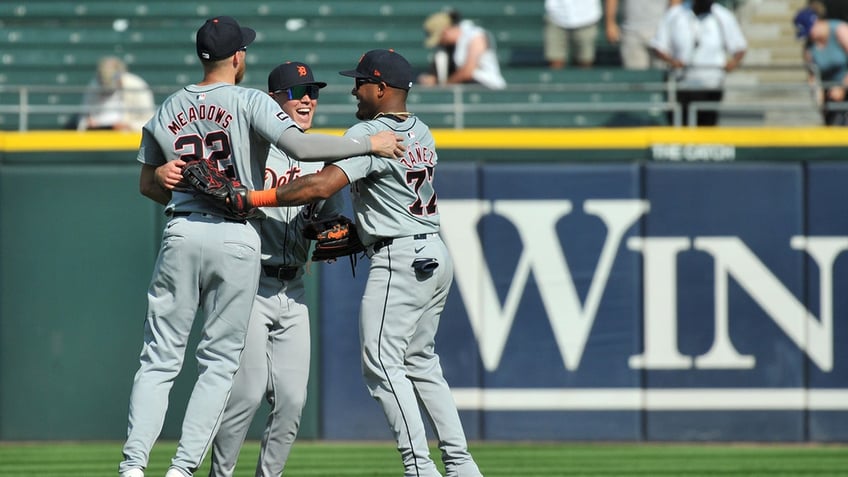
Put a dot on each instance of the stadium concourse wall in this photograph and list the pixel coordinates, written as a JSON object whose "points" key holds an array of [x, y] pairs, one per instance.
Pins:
{"points": [[650, 284]]}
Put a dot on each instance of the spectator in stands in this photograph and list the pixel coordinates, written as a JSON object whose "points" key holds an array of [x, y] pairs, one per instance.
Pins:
{"points": [[826, 57], [639, 20], [466, 52], [571, 29], [701, 42], [116, 99]]}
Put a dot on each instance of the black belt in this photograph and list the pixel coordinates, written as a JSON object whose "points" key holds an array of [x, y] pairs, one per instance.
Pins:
{"points": [[226, 219], [376, 246], [280, 272]]}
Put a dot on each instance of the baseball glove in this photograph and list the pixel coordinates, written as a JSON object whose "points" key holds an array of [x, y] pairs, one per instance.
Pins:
{"points": [[226, 193], [334, 237]]}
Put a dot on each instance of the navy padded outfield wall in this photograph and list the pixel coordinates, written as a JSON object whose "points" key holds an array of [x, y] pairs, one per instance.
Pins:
{"points": [[638, 284], [627, 301]]}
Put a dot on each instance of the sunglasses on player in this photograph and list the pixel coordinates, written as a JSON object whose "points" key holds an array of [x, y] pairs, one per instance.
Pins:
{"points": [[362, 81], [299, 91]]}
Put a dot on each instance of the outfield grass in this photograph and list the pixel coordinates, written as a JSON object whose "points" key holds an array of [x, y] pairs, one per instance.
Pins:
{"points": [[323, 459]]}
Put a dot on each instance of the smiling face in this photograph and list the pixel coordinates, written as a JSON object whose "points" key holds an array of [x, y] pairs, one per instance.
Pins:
{"points": [[366, 92], [301, 110]]}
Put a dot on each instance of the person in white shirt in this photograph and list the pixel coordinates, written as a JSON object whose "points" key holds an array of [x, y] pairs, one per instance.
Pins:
{"points": [[571, 28], [466, 52], [701, 42], [116, 99]]}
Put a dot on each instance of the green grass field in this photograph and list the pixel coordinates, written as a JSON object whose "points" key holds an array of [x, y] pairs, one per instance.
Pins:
{"points": [[323, 459]]}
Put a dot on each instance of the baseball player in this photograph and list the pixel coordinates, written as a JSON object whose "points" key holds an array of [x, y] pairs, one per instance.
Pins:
{"points": [[209, 260], [411, 271], [275, 361]]}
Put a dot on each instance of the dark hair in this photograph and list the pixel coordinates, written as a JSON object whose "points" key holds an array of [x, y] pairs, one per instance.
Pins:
{"points": [[701, 7], [454, 15]]}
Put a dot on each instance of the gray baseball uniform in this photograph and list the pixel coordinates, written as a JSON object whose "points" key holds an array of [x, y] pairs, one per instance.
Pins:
{"points": [[205, 259], [397, 218], [275, 362]]}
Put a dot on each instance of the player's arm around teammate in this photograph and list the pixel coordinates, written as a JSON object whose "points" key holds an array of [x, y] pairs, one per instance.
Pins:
{"points": [[411, 270], [275, 361], [201, 244], [156, 183]]}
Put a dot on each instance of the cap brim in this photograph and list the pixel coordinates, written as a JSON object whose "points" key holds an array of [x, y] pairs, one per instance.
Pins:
{"points": [[248, 35], [319, 84], [353, 74]]}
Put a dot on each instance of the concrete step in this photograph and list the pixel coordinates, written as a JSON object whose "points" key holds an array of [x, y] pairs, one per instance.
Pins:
{"points": [[782, 32], [783, 92], [800, 118], [763, 31], [788, 58], [798, 76], [773, 72], [768, 11], [802, 102], [769, 112], [770, 119]]}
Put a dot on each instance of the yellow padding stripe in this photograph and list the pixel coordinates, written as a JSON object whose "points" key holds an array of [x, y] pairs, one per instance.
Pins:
{"points": [[637, 138], [522, 139], [68, 141]]}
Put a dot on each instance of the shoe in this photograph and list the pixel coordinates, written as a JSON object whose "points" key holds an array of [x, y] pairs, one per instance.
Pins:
{"points": [[133, 473], [172, 472]]}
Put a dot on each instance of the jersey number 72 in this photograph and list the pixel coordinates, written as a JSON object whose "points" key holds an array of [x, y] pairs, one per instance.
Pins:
{"points": [[417, 178]]}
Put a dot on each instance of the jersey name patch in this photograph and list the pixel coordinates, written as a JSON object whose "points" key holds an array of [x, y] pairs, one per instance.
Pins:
{"points": [[203, 112], [416, 155]]}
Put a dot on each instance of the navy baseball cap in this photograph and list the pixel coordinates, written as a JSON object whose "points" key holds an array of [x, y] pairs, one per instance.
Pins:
{"points": [[386, 66], [292, 73], [804, 21], [221, 37]]}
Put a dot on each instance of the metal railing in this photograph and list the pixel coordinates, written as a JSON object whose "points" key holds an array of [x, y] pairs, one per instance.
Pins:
{"points": [[465, 100]]}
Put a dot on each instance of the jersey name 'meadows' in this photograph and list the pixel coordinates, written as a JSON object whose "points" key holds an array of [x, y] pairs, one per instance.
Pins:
{"points": [[209, 112], [418, 154]]}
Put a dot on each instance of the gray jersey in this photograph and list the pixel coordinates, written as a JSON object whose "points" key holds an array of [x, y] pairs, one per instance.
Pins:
{"points": [[408, 283], [202, 122], [275, 362], [394, 197], [282, 240], [208, 264]]}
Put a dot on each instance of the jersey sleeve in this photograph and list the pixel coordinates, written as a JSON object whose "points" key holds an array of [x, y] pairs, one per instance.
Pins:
{"points": [[358, 167], [269, 120], [149, 152], [321, 147], [333, 206]]}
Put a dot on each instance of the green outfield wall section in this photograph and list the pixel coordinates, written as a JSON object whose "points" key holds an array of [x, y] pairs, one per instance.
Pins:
{"points": [[78, 243], [77, 247]]}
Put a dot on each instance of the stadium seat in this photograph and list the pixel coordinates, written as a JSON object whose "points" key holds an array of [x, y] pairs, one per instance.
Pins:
{"points": [[58, 44]]}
